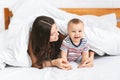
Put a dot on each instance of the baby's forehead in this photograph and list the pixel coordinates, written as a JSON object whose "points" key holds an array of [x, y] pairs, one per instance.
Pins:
{"points": [[75, 27], [72, 25]]}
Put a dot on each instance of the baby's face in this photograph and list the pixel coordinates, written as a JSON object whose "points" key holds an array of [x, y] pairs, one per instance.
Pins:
{"points": [[76, 32]]}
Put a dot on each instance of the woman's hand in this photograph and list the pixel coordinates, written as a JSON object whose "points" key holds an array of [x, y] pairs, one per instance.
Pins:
{"points": [[61, 63]]}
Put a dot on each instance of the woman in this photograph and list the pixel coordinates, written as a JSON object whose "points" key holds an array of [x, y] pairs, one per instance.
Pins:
{"points": [[44, 45]]}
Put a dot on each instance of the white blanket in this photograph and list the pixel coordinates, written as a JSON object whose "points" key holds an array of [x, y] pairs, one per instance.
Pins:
{"points": [[105, 68], [97, 32]]}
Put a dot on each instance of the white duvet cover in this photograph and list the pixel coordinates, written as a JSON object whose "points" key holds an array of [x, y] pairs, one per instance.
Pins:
{"points": [[105, 68]]}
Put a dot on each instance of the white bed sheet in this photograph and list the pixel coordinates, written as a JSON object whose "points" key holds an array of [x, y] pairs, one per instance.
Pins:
{"points": [[105, 68]]}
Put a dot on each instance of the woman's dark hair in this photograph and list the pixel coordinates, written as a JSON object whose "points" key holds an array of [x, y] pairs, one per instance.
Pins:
{"points": [[40, 36]]}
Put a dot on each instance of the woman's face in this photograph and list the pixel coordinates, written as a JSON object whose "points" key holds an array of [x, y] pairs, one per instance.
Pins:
{"points": [[54, 33]]}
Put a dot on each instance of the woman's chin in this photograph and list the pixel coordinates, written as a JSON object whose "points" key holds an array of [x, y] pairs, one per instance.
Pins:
{"points": [[54, 39]]}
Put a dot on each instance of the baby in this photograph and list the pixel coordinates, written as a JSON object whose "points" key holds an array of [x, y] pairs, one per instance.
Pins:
{"points": [[75, 46]]}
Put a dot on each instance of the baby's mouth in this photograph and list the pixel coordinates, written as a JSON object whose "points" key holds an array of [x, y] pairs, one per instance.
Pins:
{"points": [[76, 37]]}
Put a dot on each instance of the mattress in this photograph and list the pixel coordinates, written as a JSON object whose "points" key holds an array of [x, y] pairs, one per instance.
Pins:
{"points": [[105, 68]]}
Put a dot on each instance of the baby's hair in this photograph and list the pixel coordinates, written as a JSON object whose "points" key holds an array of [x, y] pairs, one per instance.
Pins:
{"points": [[75, 21]]}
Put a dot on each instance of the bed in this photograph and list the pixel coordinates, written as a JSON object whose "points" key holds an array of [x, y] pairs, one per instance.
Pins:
{"points": [[7, 15], [80, 11], [105, 67]]}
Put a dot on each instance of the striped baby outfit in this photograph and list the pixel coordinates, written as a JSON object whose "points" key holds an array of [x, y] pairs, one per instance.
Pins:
{"points": [[73, 51]]}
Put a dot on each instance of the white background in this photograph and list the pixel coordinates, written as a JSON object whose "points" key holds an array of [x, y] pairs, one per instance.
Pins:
{"points": [[86, 3]]}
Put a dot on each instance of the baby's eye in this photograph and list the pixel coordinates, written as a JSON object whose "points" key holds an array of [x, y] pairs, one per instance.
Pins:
{"points": [[73, 31], [80, 31]]}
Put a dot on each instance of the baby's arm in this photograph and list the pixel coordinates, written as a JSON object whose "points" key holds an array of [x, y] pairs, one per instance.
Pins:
{"points": [[89, 62], [85, 56], [64, 56]]}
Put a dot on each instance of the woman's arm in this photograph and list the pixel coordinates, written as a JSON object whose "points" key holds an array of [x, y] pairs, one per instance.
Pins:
{"points": [[33, 58], [60, 63]]}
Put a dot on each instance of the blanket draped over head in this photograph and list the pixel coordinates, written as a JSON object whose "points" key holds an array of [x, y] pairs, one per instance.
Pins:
{"points": [[103, 36]]}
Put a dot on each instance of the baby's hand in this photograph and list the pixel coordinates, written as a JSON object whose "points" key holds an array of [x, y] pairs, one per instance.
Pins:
{"points": [[87, 63], [82, 65]]}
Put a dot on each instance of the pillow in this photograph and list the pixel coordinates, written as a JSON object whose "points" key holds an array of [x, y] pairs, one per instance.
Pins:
{"points": [[18, 37], [109, 19]]}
